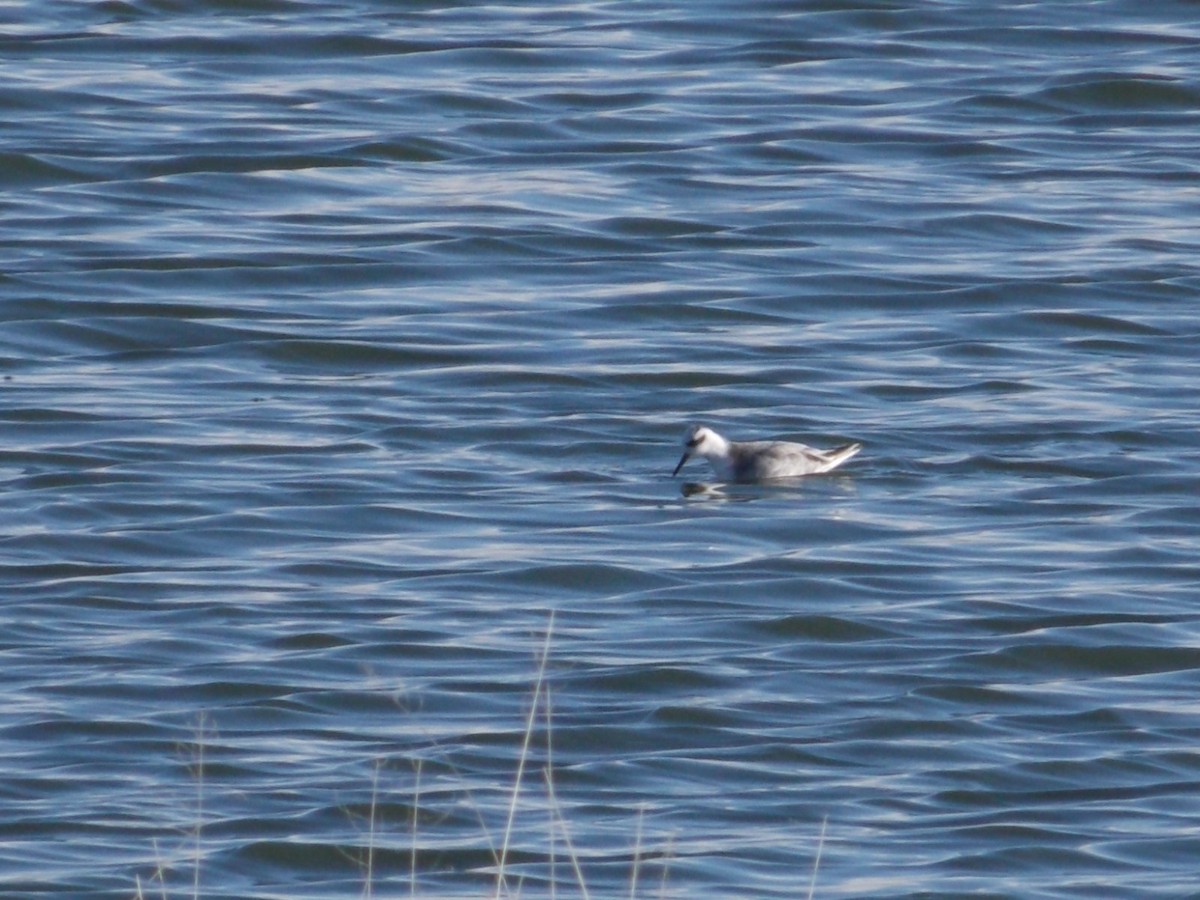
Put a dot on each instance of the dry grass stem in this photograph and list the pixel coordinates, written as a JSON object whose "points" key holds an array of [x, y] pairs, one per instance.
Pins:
{"points": [[501, 883], [812, 885]]}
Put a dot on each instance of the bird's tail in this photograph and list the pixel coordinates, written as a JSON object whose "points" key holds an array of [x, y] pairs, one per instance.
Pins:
{"points": [[839, 455]]}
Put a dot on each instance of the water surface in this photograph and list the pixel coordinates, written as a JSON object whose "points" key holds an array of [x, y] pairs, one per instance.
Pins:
{"points": [[343, 342]]}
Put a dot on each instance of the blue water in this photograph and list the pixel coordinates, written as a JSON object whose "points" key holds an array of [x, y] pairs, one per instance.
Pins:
{"points": [[344, 342]]}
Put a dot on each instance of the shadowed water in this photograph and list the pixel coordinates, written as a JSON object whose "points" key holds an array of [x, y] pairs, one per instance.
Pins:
{"points": [[342, 342]]}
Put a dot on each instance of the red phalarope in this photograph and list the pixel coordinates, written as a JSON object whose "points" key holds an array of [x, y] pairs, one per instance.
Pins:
{"points": [[750, 461]]}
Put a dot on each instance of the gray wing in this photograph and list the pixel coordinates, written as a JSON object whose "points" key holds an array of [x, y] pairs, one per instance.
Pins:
{"points": [[757, 460]]}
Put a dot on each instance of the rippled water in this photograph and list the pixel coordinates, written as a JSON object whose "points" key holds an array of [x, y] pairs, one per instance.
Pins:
{"points": [[343, 342]]}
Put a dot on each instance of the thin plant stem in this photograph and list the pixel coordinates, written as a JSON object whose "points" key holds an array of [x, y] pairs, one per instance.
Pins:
{"points": [[637, 853], [369, 875], [549, 769], [412, 879], [200, 736], [566, 833], [812, 885], [159, 869], [662, 885], [501, 883]]}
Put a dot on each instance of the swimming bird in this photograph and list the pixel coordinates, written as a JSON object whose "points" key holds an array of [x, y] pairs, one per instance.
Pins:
{"points": [[750, 461]]}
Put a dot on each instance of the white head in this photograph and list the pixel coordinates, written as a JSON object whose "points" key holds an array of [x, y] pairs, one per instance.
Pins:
{"points": [[700, 440]]}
